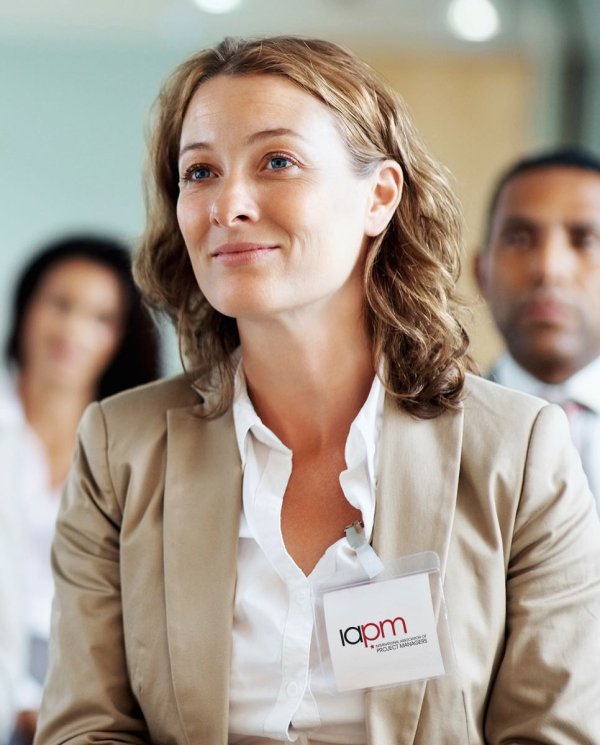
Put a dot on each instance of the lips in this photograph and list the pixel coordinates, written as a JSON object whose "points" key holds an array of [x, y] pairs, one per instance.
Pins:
{"points": [[238, 248], [235, 254], [545, 310]]}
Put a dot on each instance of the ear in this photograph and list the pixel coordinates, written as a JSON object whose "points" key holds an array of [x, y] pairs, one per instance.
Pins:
{"points": [[385, 197], [481, 270]]}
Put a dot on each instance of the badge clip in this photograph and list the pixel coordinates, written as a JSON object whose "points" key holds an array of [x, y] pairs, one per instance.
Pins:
{"points": [[365, 553]]}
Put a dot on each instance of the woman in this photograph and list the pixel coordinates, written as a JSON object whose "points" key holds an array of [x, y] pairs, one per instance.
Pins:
{"points": [[79, 332], [12, 636], [307, 248]]}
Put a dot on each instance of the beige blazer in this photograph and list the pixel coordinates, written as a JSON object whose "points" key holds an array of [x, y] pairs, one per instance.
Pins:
{"points": [[145, 567]]}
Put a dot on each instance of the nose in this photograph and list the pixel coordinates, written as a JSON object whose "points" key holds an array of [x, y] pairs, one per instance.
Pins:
{"points": [[234, 202], [554, 259], [75, 328]]}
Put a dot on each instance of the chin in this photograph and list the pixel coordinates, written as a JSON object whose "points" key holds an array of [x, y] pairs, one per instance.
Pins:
{"points": [[71, 377], [251, 308], [551, 363]]}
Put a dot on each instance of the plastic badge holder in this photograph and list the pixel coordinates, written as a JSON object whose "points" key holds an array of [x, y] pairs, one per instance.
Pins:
{"points": [[384, 631]]}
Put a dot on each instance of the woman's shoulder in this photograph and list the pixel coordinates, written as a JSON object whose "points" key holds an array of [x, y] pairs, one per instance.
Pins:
{"points": [[133, 425], [11, 411], [159, 395], [499, 420], [142, 411]]}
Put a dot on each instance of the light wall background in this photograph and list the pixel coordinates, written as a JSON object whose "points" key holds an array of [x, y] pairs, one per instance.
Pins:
{"points": [[76, 85]]}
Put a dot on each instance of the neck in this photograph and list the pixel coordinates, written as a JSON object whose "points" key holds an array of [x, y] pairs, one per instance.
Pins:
{"points": [[52, 410], [307, 386]]}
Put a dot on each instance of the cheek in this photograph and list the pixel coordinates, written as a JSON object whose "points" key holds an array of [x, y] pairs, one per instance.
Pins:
{"points": [[38, 325], [507, 274], [591, 293], [192, 228], [181, 214], [192, 218], [198, 267], [107, 342]]}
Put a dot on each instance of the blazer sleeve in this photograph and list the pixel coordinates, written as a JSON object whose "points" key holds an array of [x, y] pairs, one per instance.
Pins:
{"points": [[87, 697], [547, 688]]}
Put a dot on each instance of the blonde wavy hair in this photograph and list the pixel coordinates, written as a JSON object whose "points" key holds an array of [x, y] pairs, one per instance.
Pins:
{"points": [[411, 308]]}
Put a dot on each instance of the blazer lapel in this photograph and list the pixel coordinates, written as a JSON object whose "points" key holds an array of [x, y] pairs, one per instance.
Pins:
{"points": [[203, 487], [416, 501]]}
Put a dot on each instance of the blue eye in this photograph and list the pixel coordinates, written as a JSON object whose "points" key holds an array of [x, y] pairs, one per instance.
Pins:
{"points": [[279, 162], [198, 173]]}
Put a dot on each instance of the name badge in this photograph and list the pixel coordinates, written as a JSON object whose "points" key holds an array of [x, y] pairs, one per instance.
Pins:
{"points": [[387, 631]]}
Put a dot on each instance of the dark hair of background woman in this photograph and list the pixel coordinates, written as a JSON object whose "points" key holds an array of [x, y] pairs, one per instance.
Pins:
{"points": [[137, 358]]}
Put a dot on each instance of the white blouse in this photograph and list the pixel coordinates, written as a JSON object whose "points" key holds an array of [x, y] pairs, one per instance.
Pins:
{"points": [[12, 550], [28, 480], [278, 691]]}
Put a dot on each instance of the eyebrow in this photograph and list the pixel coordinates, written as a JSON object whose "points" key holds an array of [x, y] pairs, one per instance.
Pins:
{"points": [[520, 221], [591, 225], [263, 134], [517, 221]]}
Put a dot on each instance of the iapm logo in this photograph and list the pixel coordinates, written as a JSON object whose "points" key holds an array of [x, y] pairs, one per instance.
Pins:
{"points": [[371, 632]]}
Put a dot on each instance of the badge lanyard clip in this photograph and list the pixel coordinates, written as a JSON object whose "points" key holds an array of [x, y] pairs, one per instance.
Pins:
{"points": [[365, 553]]}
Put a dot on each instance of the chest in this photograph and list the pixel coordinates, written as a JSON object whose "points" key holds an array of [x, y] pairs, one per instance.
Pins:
{"points": [[314, 510]]}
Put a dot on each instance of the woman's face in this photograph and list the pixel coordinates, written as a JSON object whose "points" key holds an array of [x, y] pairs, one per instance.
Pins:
{"points": [[73, 324], [274, 219]]}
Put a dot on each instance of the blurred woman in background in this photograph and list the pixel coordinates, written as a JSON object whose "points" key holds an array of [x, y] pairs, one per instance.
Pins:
{"points": [[11, 629], [79, 333]]}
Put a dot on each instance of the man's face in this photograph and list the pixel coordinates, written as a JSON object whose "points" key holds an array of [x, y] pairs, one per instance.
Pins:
{"points": [[540, 272]]}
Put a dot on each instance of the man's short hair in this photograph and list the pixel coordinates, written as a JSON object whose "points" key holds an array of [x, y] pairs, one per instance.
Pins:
{"points": [[562, 157]]}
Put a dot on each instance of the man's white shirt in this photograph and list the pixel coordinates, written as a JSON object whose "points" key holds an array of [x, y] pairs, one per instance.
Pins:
{"points": [[582, 388]]}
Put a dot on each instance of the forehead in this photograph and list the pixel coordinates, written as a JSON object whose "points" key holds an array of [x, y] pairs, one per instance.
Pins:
{"points": [[80, 265], [255, 102], [84, 277], [553, 193]]}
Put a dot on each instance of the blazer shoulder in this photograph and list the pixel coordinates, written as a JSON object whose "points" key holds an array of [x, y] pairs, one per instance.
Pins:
{"points": [[503, 428], [485, 397], [131, 428], [140, 414], [157, 396]]}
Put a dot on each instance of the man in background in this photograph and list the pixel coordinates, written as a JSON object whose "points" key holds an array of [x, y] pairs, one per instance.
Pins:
{"points": [[539, 270]]}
